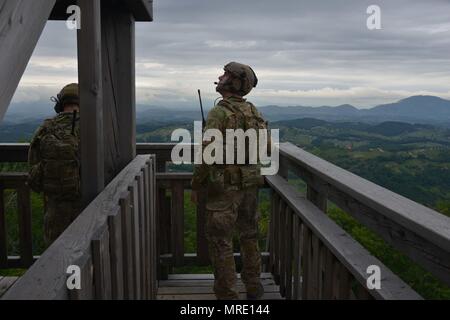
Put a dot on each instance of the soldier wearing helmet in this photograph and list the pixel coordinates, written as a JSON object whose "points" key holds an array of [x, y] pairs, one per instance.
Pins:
{"points": [[54, 162], [232, 189]]}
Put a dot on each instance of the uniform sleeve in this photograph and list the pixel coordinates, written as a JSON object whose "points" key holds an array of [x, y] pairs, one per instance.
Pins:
{"points": [[33, 152], [215, 120], [34, 161]]}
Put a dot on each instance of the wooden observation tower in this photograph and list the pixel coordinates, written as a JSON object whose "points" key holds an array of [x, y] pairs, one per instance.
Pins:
{"points": [[130, 236]]}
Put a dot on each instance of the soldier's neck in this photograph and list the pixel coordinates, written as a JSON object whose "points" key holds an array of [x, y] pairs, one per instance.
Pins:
{"points": [[227, 95]]}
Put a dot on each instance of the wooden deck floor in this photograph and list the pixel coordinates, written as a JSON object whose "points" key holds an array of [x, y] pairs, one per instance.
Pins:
{"points": [[6, 283], [200, 287]]}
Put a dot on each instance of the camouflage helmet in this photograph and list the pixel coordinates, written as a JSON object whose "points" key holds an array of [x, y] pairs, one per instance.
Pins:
{"points": [[243, 78], [67, 95]]}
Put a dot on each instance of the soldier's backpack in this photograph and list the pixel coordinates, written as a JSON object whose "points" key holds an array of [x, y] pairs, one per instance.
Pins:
{"points": [[245, 117], [54, 159]]}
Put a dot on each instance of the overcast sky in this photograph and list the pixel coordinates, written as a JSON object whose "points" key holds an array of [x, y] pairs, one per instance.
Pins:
{"points": [[304, 52]]}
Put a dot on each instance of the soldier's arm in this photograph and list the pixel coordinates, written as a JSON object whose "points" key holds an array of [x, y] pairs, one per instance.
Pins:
{"points": [[266, 126], [33, 152], [34, 160], [215, 120]]}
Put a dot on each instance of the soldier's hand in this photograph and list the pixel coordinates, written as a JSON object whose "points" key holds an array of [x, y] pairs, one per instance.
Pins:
{"points": [[194, 197]]}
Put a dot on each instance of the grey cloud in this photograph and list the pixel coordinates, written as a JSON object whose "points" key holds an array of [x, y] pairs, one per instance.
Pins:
{"points": [[295, 45]]}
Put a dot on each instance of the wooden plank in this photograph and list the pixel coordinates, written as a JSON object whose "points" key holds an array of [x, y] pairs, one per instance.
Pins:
{"points": [[282, 248], [271, 246], [202, 243], [118, 69], [87, 290], [242, 296], [209, 276], [177, 222], [296, 257], [127, 245], [102, 265], [306, 270], [288, 255], [14, 152], [116, 250], [142, 230], [153, 226], [3, 231], [6, 283], [146, 231], [91, 100], [18, 152], [315, 272], [21, 24], [355, 258], [335, 279], [322, 261], [190, 259], [344, 283], [135, 244], [278, 238], [25, 231], [328, 275], [205, 283], [420, 232], [183, 290]]}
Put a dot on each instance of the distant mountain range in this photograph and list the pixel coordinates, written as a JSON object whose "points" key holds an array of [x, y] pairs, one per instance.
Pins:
{"points": [[415, 109]]}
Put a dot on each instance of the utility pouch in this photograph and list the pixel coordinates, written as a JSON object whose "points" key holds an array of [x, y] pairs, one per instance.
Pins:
{"points": [[251, 177]]}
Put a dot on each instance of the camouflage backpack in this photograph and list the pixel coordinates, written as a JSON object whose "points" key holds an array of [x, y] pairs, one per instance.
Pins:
{"points": [[54, 158], [244, 115]]}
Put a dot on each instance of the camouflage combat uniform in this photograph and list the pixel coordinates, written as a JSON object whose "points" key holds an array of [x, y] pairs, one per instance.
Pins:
{"points": [[232, 192], [55, 170]]}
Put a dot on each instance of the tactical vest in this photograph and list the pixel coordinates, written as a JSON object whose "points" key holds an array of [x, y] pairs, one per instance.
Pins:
{"points": [[58, 172], [242, 115]]}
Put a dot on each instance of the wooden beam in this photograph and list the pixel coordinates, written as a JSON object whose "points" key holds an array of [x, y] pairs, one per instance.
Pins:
{"points": [[91, 99], [21, 24], [119, 110], [142, 10]]}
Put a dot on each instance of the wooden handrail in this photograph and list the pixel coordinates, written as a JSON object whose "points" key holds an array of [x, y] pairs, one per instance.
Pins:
{"points": [[420, 232], [112, 241], [325, 248]]}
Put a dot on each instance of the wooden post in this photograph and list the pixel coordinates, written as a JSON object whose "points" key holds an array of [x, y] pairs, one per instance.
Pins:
{"points": [[3, 237], [319, 199], [91, 109], [118, 57]]}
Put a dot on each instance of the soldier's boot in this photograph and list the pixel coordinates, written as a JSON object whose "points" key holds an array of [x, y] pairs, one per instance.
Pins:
{"points": [[221, 252], [251, 268]]}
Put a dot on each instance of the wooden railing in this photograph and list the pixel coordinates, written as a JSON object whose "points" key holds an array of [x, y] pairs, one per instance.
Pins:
{"points": [[309, 255], [16, 182], [113, 242], [312, 257], [413, 229]]}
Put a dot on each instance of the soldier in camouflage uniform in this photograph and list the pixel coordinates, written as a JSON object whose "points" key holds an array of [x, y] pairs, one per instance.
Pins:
{"points": [[55, 164], [232, 190]]}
